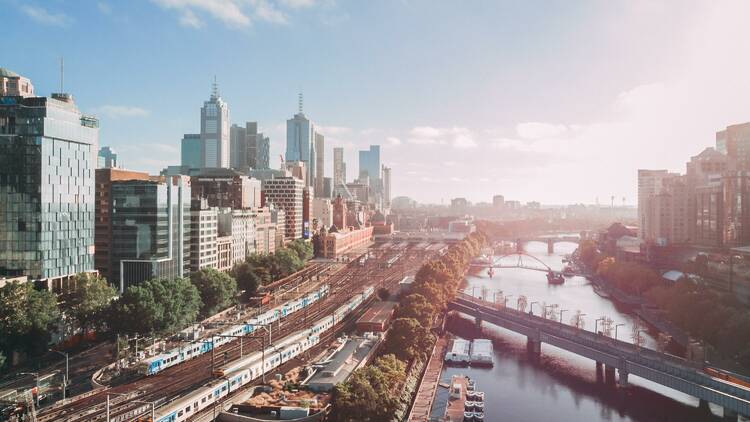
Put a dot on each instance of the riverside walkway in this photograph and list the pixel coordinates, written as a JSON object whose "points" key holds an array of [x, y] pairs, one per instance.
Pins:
{"points": [[420, 410]]}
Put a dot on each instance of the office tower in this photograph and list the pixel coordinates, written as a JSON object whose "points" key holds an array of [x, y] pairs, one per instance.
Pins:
{"points": [[663, 207], [14, 85], [225, 188], [191, 149], [339, 167], [705, 191], [734, 141], [498, 201], [107, 158], [238, 147], [151, 229], [103, 224], [369, 166], [265, 230], [300, 137], [204, 232], [215, 131], [327, 187], [287, 194], [47, 160], [386, 187], [263, 152], [319, 164]]}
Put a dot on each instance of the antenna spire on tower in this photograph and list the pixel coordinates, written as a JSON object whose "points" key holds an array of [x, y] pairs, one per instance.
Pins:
{"points": [[215, 89], [62, 74], [300, 102]]}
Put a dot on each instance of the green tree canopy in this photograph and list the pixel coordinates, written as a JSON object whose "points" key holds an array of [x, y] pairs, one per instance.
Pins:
{"points": [[418, 307], [371, 393], [162, 306], [302, 248], [90, 297], [217, 290], [27, 316], [247, 278], [287, 261], [407, 339]]}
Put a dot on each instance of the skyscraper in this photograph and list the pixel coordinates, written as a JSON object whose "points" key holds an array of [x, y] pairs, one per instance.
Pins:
{"points": [[263, 152], [215, 131], [300, 137], [191, 150], [107, 158], [386, 187], [339, 167], [287, 193], [48, 155], [319, 164], [249, 148], [369, 166]]}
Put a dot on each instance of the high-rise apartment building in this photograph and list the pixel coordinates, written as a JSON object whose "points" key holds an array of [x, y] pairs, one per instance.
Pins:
{"points": [[151, 229], [203, 237], [339, 167], [300, 143], [734, 141], [102, 222], [262, 152], [191, 150], [287, 193], [225, 188], [319, 165], [107, 158], [215, 148], [47, 161]]}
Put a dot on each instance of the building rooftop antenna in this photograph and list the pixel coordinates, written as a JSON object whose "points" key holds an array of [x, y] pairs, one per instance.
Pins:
{"points": [[62, 74], [215, 89], [300, 101]]}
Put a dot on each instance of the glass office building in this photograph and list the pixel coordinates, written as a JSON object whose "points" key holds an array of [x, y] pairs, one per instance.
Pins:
{"points": [[48, 153], [150, 230]]}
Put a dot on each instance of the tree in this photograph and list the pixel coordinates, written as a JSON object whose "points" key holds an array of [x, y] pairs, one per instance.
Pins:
{"points": [[302, 248], [287, 262], [383, 293], [247, 278], [90, 297], [217, 290], [162, 306], [371, 393], [27, 317], [407, 339], [416, 306]]}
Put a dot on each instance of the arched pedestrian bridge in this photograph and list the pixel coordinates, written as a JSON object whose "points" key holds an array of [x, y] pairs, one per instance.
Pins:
{"points": [[670, 371], [519, 260]]}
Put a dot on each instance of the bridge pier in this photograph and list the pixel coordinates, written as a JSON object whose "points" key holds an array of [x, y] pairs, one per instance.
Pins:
{"points": [[533, 347], [730, 415], [550, 246], [622, 381], [478, 323], [609, 374]]}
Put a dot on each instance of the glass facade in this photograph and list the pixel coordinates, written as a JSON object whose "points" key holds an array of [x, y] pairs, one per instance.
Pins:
{"points": [[150, 230], [191, 151], [47, 161]]}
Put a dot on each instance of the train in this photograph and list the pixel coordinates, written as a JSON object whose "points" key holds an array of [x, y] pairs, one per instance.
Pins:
{"points": [[389, 263], [727, 376], [155, 364], [236, 375]]}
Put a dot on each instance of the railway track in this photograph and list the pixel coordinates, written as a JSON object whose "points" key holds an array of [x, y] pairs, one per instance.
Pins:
{"points": [[175, 381]]}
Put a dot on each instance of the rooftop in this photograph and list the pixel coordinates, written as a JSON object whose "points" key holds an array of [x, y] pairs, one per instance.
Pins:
{"points": [[8, 73]]}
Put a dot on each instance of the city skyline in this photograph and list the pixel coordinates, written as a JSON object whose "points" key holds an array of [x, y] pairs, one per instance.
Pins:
{"points": [[502, 125]]}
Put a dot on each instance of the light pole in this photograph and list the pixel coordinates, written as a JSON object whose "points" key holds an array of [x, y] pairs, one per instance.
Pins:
{"points": [[617, 325], [531, 307], [65, 380], [596, 324], [544, 311], [505, 300], [637, 338], [561, 314]]}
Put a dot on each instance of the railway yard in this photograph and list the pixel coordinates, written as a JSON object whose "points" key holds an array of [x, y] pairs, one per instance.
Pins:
{"points": [[136, 398]]}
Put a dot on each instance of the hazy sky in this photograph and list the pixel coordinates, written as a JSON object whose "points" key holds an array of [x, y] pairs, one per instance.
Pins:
{"points": [[556, 101]]}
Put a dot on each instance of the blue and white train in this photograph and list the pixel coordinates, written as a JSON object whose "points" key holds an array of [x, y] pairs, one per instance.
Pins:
{"points": [[187, 351], [235, 375]]}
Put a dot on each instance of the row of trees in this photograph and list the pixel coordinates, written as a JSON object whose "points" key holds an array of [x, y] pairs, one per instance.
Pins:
{"points": [[365, 397], [156, 307], [705, 314]]}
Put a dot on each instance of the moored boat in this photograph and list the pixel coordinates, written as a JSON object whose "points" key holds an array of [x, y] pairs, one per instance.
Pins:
{"points": [[555, 278]]}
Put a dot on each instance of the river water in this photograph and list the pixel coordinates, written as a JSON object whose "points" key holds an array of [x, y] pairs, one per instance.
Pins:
{"points": [[562, 386]]}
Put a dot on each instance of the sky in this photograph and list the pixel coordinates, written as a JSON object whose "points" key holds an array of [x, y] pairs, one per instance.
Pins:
{"points": [[556, 101]]}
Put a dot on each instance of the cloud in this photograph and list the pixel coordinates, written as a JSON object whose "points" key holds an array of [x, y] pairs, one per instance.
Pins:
{"points": [[458, 137], [265, 11], [227, 11], [392, 140], [45, 17], [463, 138], [539, 130], [333, 130], [117, 111], [298, 4], [425, 132], [104, 7]]}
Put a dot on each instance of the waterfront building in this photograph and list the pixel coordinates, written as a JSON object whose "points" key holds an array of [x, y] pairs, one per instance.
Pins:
{"points": [[319, 165], [215, 148], [48, 152], [287, 194], [300, 143], [339, 167], [663, 207], [191, 151], [102, 211], [106, 158], [151, 229]]}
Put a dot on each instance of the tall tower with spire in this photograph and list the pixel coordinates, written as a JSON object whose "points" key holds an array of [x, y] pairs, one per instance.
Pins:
{"points": [[300, 141], [215, 130]]}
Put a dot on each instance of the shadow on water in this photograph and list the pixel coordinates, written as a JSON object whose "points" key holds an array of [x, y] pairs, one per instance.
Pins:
{"points": [[551, 385]]}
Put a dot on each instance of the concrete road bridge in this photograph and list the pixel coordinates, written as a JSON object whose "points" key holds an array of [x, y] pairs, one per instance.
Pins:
{"points": [[550, 240], [670, 371]]}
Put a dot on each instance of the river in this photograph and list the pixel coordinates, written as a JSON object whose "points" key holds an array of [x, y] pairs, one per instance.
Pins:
{"points": [[562, 386]]}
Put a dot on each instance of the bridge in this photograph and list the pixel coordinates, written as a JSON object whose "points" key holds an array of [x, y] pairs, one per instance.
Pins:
{"points": [[676, 373], [550, 240], [487, 261]]}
